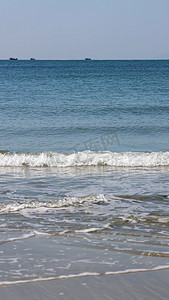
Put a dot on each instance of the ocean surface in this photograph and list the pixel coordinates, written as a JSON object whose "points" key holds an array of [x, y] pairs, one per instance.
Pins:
{"points": [[84, 168]]}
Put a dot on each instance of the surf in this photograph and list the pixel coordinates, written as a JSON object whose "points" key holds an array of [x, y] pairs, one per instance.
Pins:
{"points": [[84, 158]]}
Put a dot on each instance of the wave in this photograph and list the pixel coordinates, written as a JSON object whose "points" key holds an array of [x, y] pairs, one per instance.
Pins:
{"points": [[84, 158], [85, 274], [40, 207], [17, 238]]}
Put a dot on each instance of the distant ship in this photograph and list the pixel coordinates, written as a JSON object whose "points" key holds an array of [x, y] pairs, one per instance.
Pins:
{"points": [[32, 58], [87, 58], [13, 58]]}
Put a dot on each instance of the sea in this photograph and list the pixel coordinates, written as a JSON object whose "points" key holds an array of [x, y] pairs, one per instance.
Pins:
{"points": [[84, 168]]}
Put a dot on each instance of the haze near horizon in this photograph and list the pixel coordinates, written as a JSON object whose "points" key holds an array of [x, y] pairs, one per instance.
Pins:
{"points": [[72, 29]]}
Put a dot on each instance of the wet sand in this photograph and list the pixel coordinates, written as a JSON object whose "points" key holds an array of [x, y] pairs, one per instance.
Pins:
{"points": [[146, 285]]}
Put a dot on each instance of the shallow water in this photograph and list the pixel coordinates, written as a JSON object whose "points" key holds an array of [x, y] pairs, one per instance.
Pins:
{"points": [[68, 222]]}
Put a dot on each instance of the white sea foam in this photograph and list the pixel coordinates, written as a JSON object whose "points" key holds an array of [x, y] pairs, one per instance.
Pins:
{"points": [[90, 230], [84, 158], [27, 207], [22, 237], [85, 274]]}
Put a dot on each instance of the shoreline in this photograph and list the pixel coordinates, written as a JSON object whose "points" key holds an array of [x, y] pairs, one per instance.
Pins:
{"points": [[142, 285], [82, 275]]}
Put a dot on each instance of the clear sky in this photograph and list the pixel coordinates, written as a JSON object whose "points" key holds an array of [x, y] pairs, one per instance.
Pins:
{"points": [[75, 29]]}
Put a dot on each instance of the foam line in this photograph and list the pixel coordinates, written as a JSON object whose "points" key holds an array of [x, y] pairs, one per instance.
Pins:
{"points": [[84, 158], [86, 274]]}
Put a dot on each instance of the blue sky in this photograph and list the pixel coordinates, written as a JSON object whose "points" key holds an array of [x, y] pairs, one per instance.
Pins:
{"points": [[75, 29]]}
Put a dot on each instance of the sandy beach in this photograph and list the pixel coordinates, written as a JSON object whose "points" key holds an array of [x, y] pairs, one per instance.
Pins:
{"points": [[145, 285]]}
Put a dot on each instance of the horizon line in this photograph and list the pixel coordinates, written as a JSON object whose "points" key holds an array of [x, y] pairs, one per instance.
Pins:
{"points": [[82, 59]]}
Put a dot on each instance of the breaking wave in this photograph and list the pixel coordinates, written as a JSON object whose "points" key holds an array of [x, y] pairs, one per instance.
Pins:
{"points": [[84, 158], [41, 207]]}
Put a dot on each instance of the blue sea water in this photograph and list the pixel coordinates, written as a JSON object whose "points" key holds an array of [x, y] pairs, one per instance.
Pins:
{"points": [[65, 106], [84, 168]]}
